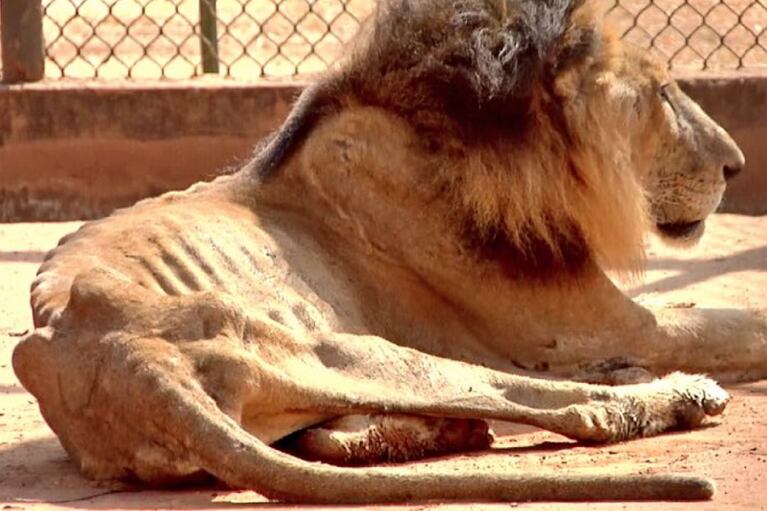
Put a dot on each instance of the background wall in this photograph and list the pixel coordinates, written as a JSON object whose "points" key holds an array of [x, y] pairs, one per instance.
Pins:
{"points": [[76, 151]]}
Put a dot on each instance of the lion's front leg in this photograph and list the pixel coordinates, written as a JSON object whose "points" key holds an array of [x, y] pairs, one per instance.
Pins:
{"points": [[390, 379], [598, 334], [727, 344]]}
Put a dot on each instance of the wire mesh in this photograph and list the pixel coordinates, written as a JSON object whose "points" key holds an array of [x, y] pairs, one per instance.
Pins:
{"points": [[286, 38], [697, 34]]}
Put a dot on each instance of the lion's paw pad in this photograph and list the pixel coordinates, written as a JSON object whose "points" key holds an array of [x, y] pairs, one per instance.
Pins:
{"points": [[698, 395]]}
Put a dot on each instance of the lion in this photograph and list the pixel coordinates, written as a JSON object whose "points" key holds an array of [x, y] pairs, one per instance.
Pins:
{"points": [[423, 246]]}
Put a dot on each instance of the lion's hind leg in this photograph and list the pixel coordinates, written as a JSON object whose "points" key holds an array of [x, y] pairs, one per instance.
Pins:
{"points": [[379, 438]]}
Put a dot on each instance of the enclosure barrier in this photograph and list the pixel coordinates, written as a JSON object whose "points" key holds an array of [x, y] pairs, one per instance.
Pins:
{"points": [[253, 39]]}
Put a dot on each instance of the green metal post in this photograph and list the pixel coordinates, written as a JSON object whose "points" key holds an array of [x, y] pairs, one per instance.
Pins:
{"points": [[208, 36]]}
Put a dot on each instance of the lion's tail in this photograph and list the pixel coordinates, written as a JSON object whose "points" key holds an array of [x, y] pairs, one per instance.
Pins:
{"points": [[239, 459]]}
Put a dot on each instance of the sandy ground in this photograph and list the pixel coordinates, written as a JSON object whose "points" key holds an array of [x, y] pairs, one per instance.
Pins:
{"points": [[729, 268]]}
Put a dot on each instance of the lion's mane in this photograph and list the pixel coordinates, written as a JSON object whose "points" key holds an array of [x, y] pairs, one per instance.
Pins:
{"points": [[504, 95]]}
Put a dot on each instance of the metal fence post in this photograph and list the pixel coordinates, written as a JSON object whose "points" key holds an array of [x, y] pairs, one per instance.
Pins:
{"points": [[208, 36], [22, 40]]}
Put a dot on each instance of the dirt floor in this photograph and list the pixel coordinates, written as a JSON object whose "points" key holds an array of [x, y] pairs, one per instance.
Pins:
{"points": [[729, 268]]}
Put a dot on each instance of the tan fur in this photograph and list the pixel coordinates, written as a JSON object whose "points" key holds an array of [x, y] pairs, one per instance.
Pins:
{"points": [[433, 217]]}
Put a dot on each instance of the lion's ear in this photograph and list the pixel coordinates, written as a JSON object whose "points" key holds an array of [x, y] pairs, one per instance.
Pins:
{"points": [[313, 103], [581, 38]]}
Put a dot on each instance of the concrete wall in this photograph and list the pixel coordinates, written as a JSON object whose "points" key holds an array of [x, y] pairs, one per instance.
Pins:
{"points": [[70, 151], [738, 102], [74, 152]]}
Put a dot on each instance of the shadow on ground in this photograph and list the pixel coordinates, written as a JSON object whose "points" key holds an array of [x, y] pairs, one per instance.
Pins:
{"points": [[688, 273], [22, 256]]}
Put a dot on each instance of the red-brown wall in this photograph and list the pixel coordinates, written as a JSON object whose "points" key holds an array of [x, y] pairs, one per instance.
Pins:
{"points": [[75, 151]]}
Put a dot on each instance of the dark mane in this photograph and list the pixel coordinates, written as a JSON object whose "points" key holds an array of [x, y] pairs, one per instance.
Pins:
{"points": [[461, 70], [468, 65]]}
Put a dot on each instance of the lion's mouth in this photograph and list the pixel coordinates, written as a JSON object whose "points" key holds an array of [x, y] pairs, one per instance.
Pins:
{"points": [[682, 230]]}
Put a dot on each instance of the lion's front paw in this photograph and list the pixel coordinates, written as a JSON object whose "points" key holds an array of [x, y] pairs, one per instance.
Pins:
{"points": [[677, 401], [696, 396]]}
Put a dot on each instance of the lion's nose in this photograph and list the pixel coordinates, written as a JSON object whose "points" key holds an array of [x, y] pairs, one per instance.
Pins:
{"points": [[736, 164], [732, 171]]}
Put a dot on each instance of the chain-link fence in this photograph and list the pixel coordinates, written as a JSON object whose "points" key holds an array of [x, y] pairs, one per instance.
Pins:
{"points": [[251, 39], [168, 38], [697, 34]]}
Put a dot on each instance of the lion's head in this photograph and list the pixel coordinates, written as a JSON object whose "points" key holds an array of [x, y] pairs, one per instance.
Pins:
{"points": [[554, 141], [682, 156]]}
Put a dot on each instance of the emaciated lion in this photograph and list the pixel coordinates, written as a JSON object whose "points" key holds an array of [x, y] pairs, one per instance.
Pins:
{"points": [[435, 215]]}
